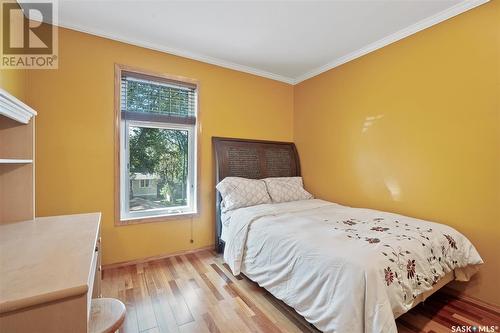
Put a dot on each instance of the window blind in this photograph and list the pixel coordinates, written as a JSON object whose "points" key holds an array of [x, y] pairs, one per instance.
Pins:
{"points": [[148, 98]]}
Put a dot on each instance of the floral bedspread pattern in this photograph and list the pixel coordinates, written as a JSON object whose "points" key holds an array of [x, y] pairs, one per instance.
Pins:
{"points": [[394, 240]]}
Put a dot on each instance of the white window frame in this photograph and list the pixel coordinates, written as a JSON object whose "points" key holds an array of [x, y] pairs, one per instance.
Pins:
{"points": [[191, 207]]}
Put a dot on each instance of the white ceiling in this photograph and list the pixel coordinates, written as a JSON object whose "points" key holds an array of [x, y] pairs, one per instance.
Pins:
{"points": [[285, 40]]}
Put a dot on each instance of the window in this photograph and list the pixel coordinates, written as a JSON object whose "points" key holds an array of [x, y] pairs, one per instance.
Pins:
{"points": [[157, 147]]}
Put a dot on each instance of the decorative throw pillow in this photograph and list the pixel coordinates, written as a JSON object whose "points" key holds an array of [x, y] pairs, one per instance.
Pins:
{"points": [[239, 192], [284, 189]]}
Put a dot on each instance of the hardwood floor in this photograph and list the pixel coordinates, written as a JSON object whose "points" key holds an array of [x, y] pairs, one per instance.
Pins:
{"points": [[197, 293]]}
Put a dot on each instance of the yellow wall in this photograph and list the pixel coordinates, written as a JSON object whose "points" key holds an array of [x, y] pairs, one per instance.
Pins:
{"points": [[75, 133], [414, 128], [14, 81]]}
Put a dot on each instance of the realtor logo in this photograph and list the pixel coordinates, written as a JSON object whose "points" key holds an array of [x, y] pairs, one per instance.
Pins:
{"points": [[29, 35]]}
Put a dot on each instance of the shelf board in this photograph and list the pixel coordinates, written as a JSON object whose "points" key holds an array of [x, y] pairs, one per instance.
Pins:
{"points": [[13, 108], [14, 161]]}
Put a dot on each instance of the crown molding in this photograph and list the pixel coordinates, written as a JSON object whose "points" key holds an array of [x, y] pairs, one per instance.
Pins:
{"points": [[174, 51], [403, 33], [181, 53]]}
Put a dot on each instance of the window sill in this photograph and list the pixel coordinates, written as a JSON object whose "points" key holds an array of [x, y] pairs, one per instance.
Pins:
{"points": [[154, 219]]}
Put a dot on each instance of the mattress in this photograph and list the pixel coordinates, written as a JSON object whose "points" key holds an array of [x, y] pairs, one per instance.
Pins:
{"points": [[345, 269]]}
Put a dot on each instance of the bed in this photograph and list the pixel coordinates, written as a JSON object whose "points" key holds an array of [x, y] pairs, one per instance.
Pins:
{"points": [[343, 269]]}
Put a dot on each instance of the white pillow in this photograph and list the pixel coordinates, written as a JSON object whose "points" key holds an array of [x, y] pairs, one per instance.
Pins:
{"points": [[284, 189], [239, 192]]}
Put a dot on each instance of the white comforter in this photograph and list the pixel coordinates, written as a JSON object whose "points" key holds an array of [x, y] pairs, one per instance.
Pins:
{"points": [[344, 269]]}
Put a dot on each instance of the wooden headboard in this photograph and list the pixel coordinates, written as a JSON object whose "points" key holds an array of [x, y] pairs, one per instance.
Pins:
{"points": [[255, 159]]}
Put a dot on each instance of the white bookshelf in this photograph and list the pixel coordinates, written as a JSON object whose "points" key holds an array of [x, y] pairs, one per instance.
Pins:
{"points": [[17, 167]]}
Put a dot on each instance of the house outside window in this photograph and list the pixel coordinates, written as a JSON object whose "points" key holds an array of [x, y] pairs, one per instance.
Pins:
{"points": [[158, 148], [144, 180]]}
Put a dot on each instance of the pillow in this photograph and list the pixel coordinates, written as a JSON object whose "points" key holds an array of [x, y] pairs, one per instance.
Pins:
{"points": [[284, 189], [239, 192]]}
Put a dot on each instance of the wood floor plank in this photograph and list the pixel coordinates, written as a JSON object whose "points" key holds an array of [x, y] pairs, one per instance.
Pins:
{"points": [[182, 314], [197, 293], [247, 321], [130, 324], [470, 313], [196, 263], [153, 276], [221, 273], [181, 267], [403, 329], [244, 307], [193, 283], [106, 283], [440, 314], [114, 284], [225, 321], [194, 297], [487, 309], [196, 278], [221, 284], [152, 330], [423, 323], [165, 313], [465, 320], [408, 326], [212, 326], [260, 318], [194, 327], [260, 297], [164, 317], [171, 267], [211, 286], [144, 308], [179, 259], [485, 315], [127, 277]]}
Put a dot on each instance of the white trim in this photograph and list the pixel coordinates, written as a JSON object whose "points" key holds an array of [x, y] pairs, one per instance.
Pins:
{"points": [[190, 208], [33, 167], [403, 33], [13, 108], [14, 161], [181, 53]]}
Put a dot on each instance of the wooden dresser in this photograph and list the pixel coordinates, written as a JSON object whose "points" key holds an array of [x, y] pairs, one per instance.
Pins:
{"points": [[49, 272]]}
